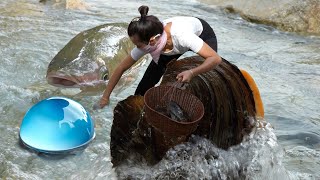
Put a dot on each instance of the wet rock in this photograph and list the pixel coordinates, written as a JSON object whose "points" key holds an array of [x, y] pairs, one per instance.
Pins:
{"points": [[288, 15]]}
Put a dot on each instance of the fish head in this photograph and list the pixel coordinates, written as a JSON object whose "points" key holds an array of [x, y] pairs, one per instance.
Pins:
{"points": [[90, 58]]}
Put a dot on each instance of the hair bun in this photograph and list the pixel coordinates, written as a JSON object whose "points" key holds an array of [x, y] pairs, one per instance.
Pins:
{"points": [[143, 11]]}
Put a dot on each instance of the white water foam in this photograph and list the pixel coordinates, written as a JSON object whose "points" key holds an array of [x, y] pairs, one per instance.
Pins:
{"points": [[258, 157]]}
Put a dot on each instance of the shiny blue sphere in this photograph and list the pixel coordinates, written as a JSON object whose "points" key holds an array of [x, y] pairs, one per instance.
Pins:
{"points": [[56, 124]]}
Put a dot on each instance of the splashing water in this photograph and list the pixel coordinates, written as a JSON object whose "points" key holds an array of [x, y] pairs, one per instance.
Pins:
{"points": [[257, 157]]}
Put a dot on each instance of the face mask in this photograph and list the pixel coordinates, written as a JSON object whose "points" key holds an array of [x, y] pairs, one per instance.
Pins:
{"points": [[156, 49], [149, 48]]}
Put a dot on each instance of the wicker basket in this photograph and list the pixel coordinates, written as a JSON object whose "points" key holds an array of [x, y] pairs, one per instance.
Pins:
{"points": [[160, 96]]}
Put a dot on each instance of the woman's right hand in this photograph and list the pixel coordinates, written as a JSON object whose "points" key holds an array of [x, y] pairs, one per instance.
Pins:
{"points": [[116, 75], [103, 102]]}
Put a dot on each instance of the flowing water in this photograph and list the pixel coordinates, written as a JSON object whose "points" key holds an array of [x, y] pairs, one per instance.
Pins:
{"points": [[285, 67]]}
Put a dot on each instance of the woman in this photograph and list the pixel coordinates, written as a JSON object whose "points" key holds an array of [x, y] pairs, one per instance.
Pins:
{"points": [[165, 41]]}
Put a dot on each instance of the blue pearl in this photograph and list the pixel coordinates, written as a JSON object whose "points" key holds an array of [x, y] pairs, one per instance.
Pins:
{"points": [[55, 125]]}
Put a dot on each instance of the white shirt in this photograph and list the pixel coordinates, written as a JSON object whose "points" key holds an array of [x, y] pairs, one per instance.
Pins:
{"points": [[185, 32]]}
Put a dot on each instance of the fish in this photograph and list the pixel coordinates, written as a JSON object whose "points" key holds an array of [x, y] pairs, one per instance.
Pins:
{"points": [[88, 60], [174, 111]]}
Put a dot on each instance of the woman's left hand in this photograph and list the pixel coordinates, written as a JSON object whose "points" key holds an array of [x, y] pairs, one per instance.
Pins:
{"points": [[185, 76]]}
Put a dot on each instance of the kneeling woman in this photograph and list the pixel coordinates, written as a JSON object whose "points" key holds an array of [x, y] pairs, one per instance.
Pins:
{"points": [[165, 41]]}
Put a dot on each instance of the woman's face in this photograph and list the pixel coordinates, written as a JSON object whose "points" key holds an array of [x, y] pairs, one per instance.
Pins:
{"points": [[136, 41]]}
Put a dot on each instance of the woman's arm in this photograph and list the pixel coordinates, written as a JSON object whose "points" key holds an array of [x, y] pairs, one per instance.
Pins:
{"points": [[114, 79], [212, 59]]}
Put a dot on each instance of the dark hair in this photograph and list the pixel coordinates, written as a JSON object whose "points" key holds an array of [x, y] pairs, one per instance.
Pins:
{"points": [[145, 26]]}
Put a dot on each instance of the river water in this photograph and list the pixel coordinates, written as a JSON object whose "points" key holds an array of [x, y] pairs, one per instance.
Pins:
{"points": [[285, 67]]}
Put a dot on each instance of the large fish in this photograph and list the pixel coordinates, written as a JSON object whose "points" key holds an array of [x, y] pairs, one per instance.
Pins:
{"points": [[89, 59]]}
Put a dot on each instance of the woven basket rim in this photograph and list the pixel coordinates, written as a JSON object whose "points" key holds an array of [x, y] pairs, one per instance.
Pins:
{"points": [[181, 123]]}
